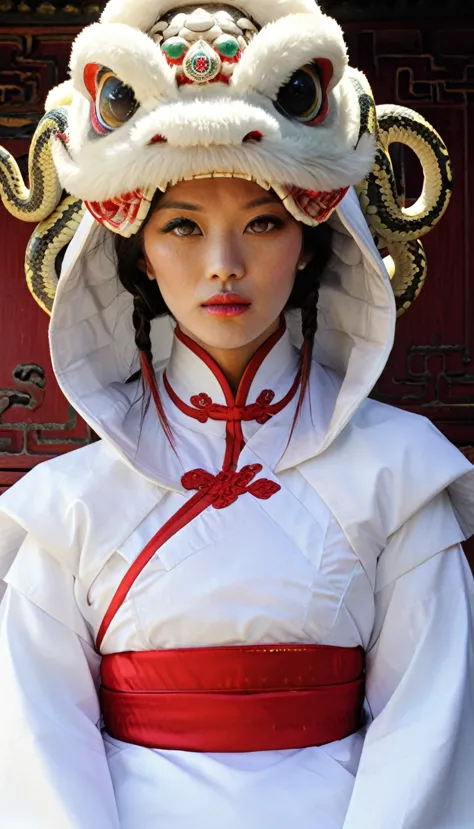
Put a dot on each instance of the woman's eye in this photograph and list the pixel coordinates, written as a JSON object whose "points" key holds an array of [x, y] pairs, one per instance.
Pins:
{"points": [[263, 224], [115, 102], [186, 229], [182, 227], [303, 96]]}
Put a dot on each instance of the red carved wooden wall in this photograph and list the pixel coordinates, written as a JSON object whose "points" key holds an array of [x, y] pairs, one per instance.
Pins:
{"points": [[36, 422], [431, 69], [426, 65]]}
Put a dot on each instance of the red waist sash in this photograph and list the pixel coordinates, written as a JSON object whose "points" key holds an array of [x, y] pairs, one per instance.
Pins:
{"points": [[232, 699]]}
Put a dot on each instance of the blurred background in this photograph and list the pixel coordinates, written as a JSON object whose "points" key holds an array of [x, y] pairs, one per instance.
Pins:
{"points": [[419, 54]]}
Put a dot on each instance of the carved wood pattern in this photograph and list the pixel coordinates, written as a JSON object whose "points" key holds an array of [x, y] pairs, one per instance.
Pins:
{"points": [[28, 390], [36, 422], [30, 65], [27, 437], [431, 68], [391, 10], [15, 12]]}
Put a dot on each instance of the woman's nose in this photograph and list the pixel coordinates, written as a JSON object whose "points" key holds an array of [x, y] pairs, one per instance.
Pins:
{"points": [[226, 259]]}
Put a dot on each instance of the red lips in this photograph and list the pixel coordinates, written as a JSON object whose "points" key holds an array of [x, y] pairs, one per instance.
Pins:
{"points": [[226, 305], [226, 299]]}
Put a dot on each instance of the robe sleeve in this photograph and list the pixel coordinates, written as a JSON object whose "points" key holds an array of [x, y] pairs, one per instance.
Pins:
{"points": [[417, 764], [53, 766]]}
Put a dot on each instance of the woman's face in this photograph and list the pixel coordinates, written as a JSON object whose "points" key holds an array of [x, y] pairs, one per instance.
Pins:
{"points": [[224, 253]]}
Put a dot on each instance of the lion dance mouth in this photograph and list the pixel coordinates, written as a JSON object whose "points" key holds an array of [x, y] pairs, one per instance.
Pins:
{"points": [[126, 213]]}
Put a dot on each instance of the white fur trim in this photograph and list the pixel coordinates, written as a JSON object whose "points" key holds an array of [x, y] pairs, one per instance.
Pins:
{"points": [[204, 124], [128, 52], [145, 13], [296, 40], [58, 96]]}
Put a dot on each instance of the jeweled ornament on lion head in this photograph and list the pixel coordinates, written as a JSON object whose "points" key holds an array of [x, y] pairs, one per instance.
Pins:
{"points": [[163, 91]]}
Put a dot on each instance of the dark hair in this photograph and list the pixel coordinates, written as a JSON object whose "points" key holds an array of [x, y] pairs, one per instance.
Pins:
{"points": [[317, 245], [148, 304]]}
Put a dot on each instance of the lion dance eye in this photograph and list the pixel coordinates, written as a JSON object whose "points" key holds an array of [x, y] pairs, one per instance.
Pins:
{"points": [[114, 102], [304, 96]]}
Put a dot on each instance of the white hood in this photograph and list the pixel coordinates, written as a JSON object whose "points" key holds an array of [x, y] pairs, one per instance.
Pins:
{"points": [[94, 353]]}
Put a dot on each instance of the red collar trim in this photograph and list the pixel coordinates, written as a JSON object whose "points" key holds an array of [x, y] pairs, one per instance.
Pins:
{"points": [[249, 373], [203, 408], [236, 409]]}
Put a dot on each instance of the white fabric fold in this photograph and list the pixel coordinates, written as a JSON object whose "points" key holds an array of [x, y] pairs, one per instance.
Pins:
{"points": [[417, 762], [53, 767]]}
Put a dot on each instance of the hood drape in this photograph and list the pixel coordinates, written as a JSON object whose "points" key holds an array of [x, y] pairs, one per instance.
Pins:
{"points": [[94, 353]]}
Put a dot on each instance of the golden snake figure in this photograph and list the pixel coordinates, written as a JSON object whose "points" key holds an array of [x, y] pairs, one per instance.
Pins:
{"points": [[106, 143]]}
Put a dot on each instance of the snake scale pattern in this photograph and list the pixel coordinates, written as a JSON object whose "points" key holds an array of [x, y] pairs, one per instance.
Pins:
{"points": [[395, 228]]}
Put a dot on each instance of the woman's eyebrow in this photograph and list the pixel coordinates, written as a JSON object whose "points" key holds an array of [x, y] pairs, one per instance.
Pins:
{"points": [[178, 205], [268, 199]]}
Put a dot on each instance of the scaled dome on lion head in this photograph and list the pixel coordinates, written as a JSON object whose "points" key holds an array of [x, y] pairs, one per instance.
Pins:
{"points": [[166, 91]]}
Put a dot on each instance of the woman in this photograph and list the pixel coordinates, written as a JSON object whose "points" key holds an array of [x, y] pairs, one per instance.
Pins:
{"points": [[251, 529]]}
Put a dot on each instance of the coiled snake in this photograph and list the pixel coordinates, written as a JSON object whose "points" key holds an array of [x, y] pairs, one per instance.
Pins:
{"points": [[58, 215], [394, 227]]}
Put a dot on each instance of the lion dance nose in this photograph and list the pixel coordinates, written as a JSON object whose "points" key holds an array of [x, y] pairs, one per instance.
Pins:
{"points": [[254, 135]]}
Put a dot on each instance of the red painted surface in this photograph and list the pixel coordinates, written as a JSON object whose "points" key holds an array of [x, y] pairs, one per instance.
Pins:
{"points": [[37, 423]]}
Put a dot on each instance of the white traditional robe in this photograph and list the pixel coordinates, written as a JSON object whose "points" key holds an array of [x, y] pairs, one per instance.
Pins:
{"points": [[359, 547]]}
